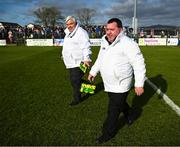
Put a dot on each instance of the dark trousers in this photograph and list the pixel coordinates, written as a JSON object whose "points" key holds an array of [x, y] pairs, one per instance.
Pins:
{"points": [[76, 79], [117, 104]]}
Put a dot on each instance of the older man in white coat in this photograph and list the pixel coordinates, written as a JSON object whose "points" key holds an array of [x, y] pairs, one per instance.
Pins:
{"points": [[76, 49], [119, 61]]}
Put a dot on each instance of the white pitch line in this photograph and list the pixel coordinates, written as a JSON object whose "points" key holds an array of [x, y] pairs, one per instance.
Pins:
{"points": [[164, 96]]}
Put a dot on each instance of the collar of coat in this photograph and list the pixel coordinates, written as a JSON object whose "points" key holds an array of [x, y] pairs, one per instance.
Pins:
{"points": [[117, 39], [71, 34]]}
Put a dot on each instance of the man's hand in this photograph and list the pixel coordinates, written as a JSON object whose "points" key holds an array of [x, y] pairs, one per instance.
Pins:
{"points": [[90, 78], [139, 90], [87, 63]]}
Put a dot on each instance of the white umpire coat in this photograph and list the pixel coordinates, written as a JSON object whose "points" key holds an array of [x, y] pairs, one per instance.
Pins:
{"points": [[118, 63], [76, 47]]}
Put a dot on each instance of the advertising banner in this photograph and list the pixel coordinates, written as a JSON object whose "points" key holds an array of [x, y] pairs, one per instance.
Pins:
{"points": [[95, 42], [152, 41], [39, 42], [58, 42], [172, 41], [2, 42]]}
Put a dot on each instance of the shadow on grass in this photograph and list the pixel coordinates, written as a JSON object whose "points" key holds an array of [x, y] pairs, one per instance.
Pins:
{"points": [[99, 87], [138, 102]]}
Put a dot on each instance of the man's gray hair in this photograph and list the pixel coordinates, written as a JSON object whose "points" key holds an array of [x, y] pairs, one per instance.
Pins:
{"points": [[70, 18]]}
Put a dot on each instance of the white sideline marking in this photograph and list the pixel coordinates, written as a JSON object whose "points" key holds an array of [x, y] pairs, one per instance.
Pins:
{"points": [[164, 96]]}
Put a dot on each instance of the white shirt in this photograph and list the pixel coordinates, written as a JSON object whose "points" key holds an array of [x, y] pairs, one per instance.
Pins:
{"points": [[118, 63], [76, 47]]}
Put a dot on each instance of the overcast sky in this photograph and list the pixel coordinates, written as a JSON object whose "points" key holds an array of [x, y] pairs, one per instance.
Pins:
{"points": [[149, 12]]}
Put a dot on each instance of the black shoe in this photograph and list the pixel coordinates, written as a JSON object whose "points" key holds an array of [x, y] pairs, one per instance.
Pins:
{"points": [[102, 139], [129, 120], [73, 103]]}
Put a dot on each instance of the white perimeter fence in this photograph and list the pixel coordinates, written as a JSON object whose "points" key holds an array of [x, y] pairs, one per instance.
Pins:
{"points": [[97, 42]]}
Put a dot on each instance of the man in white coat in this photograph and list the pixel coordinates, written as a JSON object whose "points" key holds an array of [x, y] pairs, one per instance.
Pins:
{"points": [[119, 61], [76, 49]]}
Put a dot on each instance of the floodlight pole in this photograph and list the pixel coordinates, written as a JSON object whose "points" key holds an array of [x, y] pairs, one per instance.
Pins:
{"points": [[135, 20]]}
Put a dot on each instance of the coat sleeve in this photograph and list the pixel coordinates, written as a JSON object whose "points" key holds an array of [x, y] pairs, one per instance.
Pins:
{"points": [[84, 44], [96, 67], [136, 60]]}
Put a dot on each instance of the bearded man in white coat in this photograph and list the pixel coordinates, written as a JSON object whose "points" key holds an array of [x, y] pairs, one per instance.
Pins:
{"points": [[119, 62]]}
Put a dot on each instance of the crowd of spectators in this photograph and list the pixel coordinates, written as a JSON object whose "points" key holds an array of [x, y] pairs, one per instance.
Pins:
{"points": [[15, 34], [18, 34]]}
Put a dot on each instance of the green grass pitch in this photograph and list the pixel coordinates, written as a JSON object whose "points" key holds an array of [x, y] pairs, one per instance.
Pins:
{"points": [[35, 93]]}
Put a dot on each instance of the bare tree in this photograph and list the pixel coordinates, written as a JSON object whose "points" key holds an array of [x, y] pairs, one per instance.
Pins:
{"points": [[48, 16], [85, 15]]}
